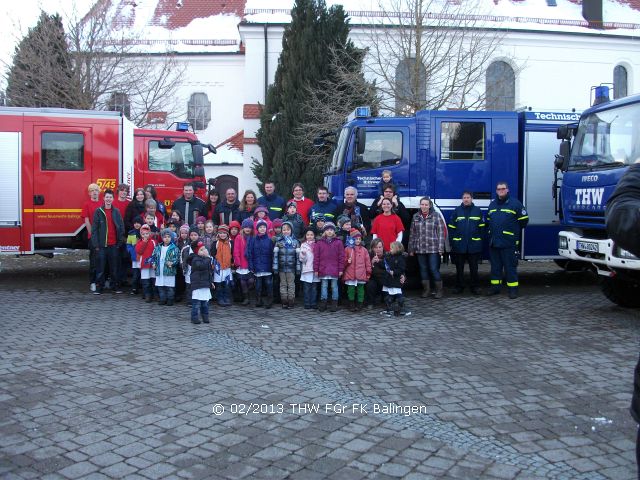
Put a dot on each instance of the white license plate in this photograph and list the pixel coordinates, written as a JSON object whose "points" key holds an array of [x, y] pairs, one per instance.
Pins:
{"points": [[587, 246]]}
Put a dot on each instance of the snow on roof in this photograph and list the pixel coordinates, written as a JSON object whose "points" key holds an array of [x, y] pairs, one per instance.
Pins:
{"points": [[516, 14]]}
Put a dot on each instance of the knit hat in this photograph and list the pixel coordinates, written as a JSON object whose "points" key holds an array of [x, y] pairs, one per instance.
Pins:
{"points": [[223, 229], [354, 232], [261, 208], [277, 223], [184, 228], [199, 245], [145, 228], [247, 223], [201, 219], [194, 229], [342, 219], [165, 231], [234, 224], [329, 225], [260, 223], [320, 218], [292, 204]]}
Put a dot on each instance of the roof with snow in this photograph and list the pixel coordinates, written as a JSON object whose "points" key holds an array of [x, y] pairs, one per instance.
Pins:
{"points": [[211, 26]]}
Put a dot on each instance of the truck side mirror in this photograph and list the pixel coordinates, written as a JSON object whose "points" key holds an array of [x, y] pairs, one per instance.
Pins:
{"points": [[199, 172], [361, 140], [198, 156], [562, 159]]}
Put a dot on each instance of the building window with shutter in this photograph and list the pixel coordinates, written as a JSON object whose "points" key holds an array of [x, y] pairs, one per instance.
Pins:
{"points": [[500, 87], [619, 82], [199, 111]]}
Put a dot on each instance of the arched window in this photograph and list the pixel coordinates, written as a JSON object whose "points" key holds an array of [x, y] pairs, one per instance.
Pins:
{"points": [[619, 82], [119, 102], [411, 86], [199, 111], [500, 87]]}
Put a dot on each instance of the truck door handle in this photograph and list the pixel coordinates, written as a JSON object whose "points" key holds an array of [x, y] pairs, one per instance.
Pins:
{"points": [[38, 199]]}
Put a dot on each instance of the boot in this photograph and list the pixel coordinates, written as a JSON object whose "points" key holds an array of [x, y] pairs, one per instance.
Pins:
{"points": [[195, 321], [352, 307], [322, 305], [205, 318], [397, 307], [259, 301], [513, 293], [333, 307], [148, 299], [269, 302], [285, 303], [388, 303], [359, 306], [245, 299], [426, 289], [292, 303], [439, 289]]}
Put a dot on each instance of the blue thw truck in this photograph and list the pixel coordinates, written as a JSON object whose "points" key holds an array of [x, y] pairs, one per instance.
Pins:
{"points": [[443, 153], [594, 155]]}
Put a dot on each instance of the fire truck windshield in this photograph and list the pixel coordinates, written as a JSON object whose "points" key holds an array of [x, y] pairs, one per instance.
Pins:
{"points": [[607, 139], [338, 154]]}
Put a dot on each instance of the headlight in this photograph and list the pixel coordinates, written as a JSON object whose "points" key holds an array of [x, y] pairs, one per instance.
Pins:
{"points": [[622, 253], [563, 243]]}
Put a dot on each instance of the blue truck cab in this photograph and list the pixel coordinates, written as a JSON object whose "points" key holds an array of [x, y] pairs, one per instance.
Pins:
{"points": [[443, 153], [594, 155]]}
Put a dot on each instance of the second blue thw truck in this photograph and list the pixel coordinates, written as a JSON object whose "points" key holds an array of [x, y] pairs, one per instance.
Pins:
{"points": [[443, 153]]}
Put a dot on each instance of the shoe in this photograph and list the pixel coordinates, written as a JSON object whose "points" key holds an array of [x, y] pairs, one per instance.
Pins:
{"points": [[107, 284], [307, 307], [439, 289], [353, 307], [162, 302], [513, 294], [97, 291], [268, 303], [148, 299], [285, 305], [333, 307], [205, 319], [118, 291], [386, 313], [492, 292], [457, 290], [322, 306], [426, 289], [475, 291], [405, 314], [92, 287], [245, 300], [292, 303], [133, 292], [195, 321], [169, 303]]}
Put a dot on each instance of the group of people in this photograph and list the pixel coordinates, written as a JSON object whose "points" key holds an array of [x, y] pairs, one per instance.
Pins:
{"points": [[257, 249]]}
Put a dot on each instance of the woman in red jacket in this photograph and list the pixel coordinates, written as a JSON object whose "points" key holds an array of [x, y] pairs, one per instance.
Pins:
{"points": [[303, 204]]}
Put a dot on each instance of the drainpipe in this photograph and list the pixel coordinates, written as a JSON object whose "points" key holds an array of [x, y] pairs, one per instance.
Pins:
{"points": [[266, 63]]}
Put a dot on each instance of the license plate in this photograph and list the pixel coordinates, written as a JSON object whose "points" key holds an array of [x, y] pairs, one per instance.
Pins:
{"points": [[587, 246]]}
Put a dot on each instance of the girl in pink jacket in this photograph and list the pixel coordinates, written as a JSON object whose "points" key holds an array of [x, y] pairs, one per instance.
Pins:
{"points": [[357, 269], [240, 259]]}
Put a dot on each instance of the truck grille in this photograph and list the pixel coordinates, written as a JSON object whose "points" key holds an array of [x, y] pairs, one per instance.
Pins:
{"points": [[590, 218]]}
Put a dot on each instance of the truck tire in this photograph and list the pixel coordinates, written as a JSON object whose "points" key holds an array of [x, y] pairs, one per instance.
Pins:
{"points": [[623, 293]]}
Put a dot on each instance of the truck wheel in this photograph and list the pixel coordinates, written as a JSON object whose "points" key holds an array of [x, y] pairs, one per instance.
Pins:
{"points": [[623, 293]]}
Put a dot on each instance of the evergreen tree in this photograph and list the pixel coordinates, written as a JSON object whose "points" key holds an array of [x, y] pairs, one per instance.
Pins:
{"points": [[41, 74], [315, 36]]}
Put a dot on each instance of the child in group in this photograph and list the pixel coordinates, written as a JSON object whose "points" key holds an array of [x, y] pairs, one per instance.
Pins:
{"points": [[183, 241], [245, 279], [165, 261], [222, 252], [294, 218], [209, 236], [277, 228], [286, 264], [132, 239], [262, 213], [186, 268], [234, 229], [150, 219], [173, 226], [260, 257], [307, 277], [200, 223], [201, 281], [376, 280], [394, 278], [151, 207], [357, 269], [344, 228], [385, 181], [318, 226], [328, 262], [144, 250], [176, 216], [275, 236]]}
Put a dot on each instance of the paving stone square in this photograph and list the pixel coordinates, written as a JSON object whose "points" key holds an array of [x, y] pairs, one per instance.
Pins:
{"points": [[466, 387]]}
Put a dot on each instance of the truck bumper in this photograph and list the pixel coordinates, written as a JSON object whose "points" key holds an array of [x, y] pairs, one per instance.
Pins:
{"points": [[602, 254]]}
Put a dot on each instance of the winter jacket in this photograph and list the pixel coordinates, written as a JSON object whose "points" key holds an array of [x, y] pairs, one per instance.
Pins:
{"points": [[172, 257], [357, 264], [329, 209], [145, 252], [303, 207], [306, 257], [359, 215], [397, 265], [427, 234], [244, 214], [100, 227], [623, 212], [208, 240], [505, 220], [132, 238], [260, 254], [184, 256], [225, 212], [328, 258], [201, 271], [240, 251], [214, 251], [296, 221], [377, 269], [195, 204], [285, 255], [466, 229], [274, 203]]}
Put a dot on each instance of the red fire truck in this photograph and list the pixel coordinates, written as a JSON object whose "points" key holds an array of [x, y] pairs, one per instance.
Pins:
{"points": [[49, 156]]}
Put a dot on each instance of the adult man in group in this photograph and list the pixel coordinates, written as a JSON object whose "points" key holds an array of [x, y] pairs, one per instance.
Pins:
{"points": [[398, 207], [325, 207], [228, 209], [121, 202], [88, 210], [466, 231], [273, 202], [356, 211], [107, 234], [189, 206], [505, 220]]}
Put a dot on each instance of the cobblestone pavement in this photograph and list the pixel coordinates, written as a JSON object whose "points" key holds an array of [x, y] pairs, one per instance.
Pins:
{"points": [[111, 387]]}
